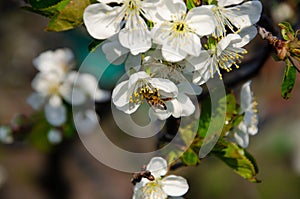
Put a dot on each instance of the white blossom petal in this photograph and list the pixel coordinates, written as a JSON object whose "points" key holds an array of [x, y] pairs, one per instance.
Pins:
{"points": [[224, 3], [59, 61], [114, 52], [54, 136], [244, 15], [246, 96], [168, 8], [201, 20], [186, 104], [174, 185], [55, 100], [56, 115], [241, 138], [102, 21], [36, 100], [158, 167], [247, 34], [135, 36], [120, 96]]}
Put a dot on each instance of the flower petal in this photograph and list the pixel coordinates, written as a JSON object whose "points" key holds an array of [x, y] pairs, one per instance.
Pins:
{"points": [[120, 96], [224, 3], [114, 52], [247, 34], [56, 116], [167, 9], [244, 15], [201, 20], [36, 101], [158, 167], [135, 36], [246, 96], [166, 87], [186, 104], [102, 21], [241, 138], [102, 95], [54, 136], [175, 185]]}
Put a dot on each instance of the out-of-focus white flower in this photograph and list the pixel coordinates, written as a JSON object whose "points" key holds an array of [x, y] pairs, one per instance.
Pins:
{"points": [[179, 33], [235, 14], [221, 55], [161, 187], [161, 94], [103, 21], [54, 86], [6, 135], [248, 126], [54, 136]]}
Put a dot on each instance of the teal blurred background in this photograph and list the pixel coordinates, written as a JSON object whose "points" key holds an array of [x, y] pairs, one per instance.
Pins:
{"points": [[23, 169]]}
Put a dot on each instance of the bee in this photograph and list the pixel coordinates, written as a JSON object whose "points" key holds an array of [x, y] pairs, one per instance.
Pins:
{"points": [[157, 103], [145, 91], [137, 176]]}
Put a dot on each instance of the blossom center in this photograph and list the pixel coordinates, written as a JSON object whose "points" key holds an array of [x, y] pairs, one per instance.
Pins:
{"points": [[179, 28], [153, 189], [53, 89]]}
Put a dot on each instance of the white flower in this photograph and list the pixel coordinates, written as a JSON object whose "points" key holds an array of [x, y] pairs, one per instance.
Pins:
{"points": [[161, 187], [6, 135], [249, 124], [48, 93], [234, 15], [56, 83], [103, 21], [162, 95], [179, 33], [141, 88], [53, 67], [221, 55]]}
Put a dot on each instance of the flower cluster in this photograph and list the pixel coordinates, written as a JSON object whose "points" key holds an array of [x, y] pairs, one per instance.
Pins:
{"points": [[57, 87], [163, 44]]}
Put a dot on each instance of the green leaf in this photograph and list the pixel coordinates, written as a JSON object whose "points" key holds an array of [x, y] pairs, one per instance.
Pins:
{"points": [[217, 116], [190, 158], [94, 44], [205, 117], [287, 31], [38, 4], [69, 17], [237, 158], [288, 80]]}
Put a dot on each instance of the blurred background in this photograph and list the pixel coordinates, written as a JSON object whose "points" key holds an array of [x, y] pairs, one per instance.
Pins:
{"points": [[70, 172]]}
